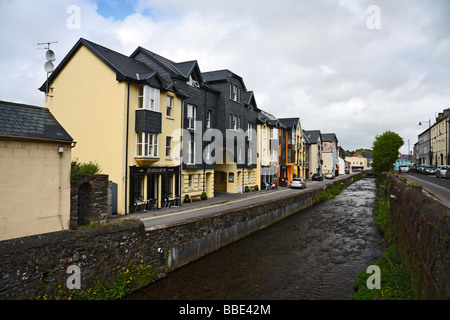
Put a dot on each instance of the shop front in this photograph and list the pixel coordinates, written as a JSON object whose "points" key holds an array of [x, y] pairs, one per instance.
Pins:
{"points": [[153, 187]]}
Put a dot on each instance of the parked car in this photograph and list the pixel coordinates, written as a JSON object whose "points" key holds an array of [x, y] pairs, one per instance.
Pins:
{"points": [[413, 167], [404, 168], [447, 173], [298, 183], [441, 171], [429, 169], [421, 168], [317, 177], [329, 175]]}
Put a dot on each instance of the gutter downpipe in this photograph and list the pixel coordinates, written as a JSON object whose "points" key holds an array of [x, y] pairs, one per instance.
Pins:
{"points": [[126, 149]]}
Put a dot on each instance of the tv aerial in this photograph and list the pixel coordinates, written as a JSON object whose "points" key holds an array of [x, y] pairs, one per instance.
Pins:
{"points": [[48, 66]]}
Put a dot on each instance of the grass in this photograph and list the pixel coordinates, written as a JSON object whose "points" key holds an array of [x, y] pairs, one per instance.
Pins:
{"points": [[395, 279]]}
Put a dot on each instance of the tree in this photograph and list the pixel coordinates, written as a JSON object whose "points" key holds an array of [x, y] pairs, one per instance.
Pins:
{"points": [[386, 151]]}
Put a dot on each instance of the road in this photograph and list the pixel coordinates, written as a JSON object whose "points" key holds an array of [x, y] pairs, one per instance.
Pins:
{"points": [[437, 188], [221, 202]]}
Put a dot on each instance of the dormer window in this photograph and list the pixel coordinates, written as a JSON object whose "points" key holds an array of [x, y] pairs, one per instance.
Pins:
{"points": [[192, 82]]}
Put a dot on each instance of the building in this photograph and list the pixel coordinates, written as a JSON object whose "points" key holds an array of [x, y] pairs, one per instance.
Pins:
{"points": [[424, 153], [290, 133], [330, 155], [267, 152], [313, 158], [123, 116], [35, 164], [357, 163], [199, 118], [237, 113], [440, 142]]}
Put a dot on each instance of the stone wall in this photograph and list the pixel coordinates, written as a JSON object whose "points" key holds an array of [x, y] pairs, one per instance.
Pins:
{"points": [[35, 266], [421, 228], [90, 200]]}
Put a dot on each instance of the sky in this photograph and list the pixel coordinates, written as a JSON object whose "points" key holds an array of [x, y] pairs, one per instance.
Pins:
{"points": [[356, 68]]}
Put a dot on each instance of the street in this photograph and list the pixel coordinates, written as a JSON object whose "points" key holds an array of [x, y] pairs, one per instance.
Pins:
{"points": [[437, 188], [221, 202]]}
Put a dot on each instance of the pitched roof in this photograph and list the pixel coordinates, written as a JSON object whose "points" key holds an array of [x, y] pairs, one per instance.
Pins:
{"points": [[126, 68], [221, 76], [289, 122], [329, 137], [25, 121], [311, 136]]}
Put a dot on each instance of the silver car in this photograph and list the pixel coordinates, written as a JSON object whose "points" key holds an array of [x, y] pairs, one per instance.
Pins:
{"points": [[298, 183], [440, 171]]}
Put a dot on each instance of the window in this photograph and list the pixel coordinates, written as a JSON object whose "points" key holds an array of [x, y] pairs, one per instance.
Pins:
{"points": [[191, 152], [273, 133], [234, 124], [208, 119], [168, 147], [191, 115], [235, 93], [169, 110], [273, 155], [249, 156], [147, 145], [249, 130], [190, 181], [148, 98], [207, 153]]}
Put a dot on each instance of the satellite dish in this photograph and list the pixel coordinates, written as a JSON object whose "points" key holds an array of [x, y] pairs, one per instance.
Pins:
{"points": [[48, 66], [50, 55]]}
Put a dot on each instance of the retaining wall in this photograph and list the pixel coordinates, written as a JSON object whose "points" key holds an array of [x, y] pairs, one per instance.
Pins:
{"points": [[37, 266], [421, 229]]}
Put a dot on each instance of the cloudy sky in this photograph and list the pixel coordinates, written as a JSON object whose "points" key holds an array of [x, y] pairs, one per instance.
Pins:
{"points": [[353, 67]]}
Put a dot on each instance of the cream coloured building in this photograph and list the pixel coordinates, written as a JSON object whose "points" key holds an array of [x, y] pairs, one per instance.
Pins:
{"points": [[440, 139], [35, 157], [124, 117]]}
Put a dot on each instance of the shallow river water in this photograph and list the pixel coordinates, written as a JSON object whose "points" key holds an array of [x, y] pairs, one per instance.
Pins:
{"points": [[314, 254]]}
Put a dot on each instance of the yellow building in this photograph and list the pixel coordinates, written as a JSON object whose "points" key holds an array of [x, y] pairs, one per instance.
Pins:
{"points": [[35, 155], [267, 148], [440, 139], [123, 116]]}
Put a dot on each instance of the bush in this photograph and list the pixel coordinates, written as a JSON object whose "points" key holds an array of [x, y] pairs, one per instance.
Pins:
{"points": [[78, 169]]}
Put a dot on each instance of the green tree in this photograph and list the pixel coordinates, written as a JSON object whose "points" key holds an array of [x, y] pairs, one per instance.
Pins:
{"points": [[386, 151]]}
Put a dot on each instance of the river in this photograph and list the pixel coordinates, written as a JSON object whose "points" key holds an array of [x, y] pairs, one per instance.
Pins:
{"points": [[314, 254]]}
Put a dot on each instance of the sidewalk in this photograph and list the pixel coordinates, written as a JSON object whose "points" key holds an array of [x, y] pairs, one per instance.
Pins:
{"points": [[220, 197], [220, 202]]}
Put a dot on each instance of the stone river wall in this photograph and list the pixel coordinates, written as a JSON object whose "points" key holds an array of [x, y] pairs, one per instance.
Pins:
{"points": [[41, 266]]}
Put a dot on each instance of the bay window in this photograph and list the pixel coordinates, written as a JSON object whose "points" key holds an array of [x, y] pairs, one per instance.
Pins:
{"points": [[147, 145], [148, 98]]}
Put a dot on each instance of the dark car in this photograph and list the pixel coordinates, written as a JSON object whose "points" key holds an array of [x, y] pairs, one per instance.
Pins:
{"points": [[317, 177]]}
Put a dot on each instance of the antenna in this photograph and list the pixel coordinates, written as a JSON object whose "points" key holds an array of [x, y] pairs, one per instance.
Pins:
{"points": [[48, 66]]}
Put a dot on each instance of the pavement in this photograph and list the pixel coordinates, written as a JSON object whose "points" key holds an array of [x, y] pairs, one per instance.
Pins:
{"points": [[221, 201]]}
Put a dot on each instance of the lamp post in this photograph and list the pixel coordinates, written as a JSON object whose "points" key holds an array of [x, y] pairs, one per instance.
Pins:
{"points": [[430, 153]]}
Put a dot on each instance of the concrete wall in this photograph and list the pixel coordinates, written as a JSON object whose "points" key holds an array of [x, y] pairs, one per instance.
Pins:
{"points": [[34, 188], [421, 228], [36, 266]]}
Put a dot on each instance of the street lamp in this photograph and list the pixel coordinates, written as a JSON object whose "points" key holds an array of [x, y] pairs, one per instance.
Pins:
{"points": [[430, 153]]}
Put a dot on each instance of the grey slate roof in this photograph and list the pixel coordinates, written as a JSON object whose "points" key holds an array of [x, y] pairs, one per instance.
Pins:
{"points": [[311, 136], [126, 68], [25, 121], [289, 123], [328, 137]]}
